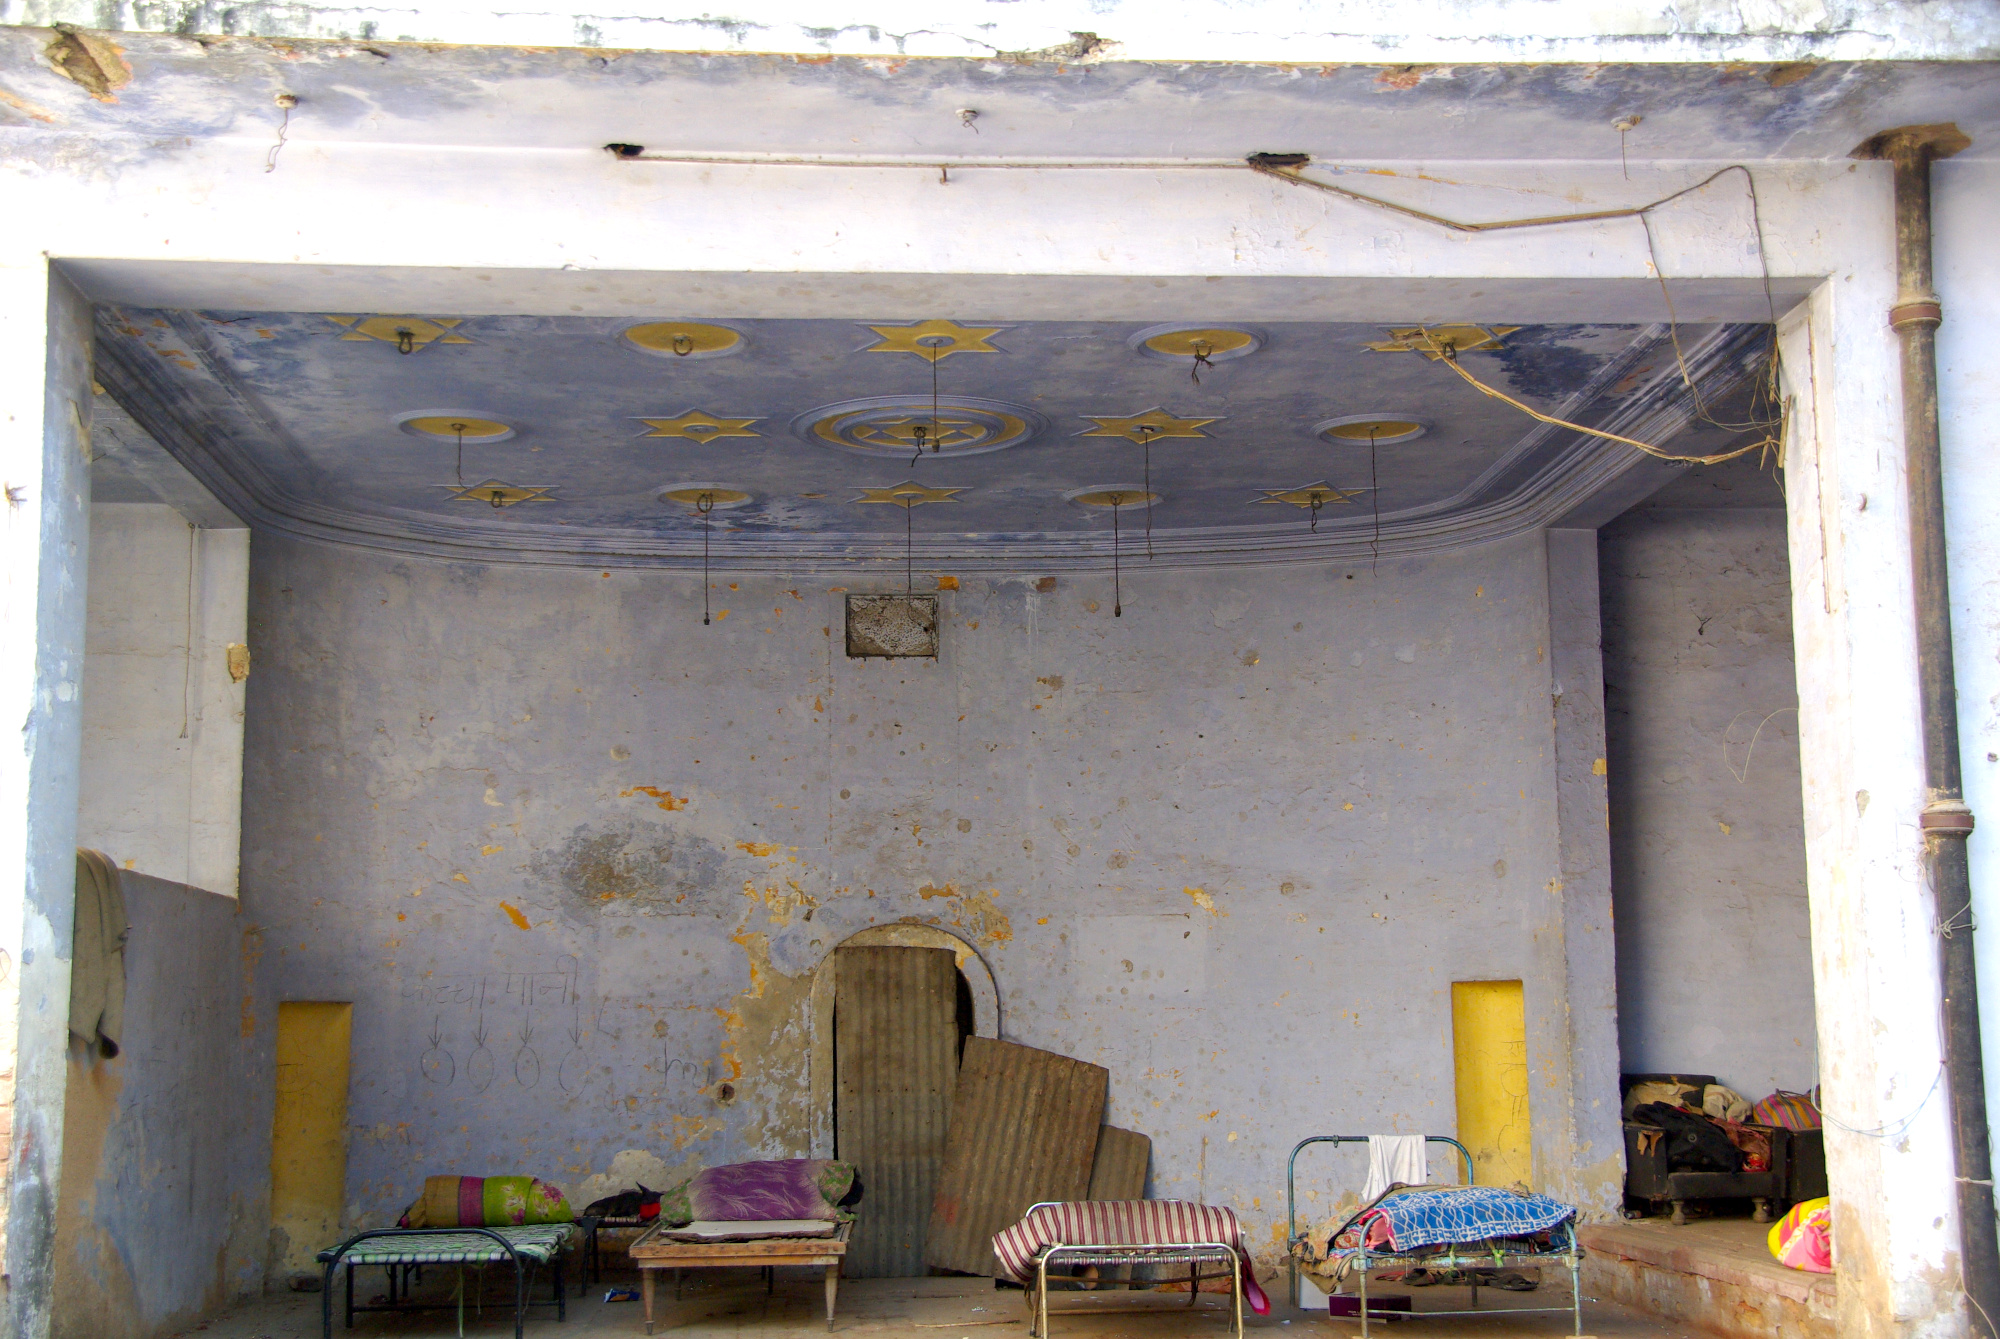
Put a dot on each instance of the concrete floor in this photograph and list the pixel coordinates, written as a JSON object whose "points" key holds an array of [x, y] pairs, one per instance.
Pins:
{"points": [[734, 1303]]}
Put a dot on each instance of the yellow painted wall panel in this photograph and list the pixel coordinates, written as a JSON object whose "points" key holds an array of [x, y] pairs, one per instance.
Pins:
{"points": [[309, 1129], [1489, 1027]]}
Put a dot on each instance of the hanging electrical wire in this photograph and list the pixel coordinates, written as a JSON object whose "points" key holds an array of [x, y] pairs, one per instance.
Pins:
{"points": [[1770, 412], [704, 505], [459, 430]]}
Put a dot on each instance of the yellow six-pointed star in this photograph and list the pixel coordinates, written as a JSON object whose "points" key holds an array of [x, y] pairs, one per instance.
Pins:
{"points": [[698, 426], [1150, 426], [405, 332], [495, 493], [934, 340], [1322, 494], [908, 494]]}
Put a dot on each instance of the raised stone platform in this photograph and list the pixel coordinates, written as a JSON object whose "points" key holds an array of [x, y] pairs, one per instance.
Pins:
{"points": [[1716, 1275]]}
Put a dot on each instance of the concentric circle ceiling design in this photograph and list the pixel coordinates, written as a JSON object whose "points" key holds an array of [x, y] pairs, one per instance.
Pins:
{"points": [[906, 426], [1186, 343], [1366, 429], [684, 339], [472, 427]]}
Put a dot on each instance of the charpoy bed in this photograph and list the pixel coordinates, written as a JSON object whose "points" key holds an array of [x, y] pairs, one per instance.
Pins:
{"points": [[399, 1250]]}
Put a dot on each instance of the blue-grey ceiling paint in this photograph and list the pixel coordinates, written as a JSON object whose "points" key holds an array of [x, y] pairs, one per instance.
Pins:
{"points": [[296, 425]]}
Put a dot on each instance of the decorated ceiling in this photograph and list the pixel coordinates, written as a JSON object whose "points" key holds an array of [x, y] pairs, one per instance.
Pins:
{"points": [[646, 438]]}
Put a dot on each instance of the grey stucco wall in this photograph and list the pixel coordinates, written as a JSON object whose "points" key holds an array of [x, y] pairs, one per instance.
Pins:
{"points": [[574, 856], [166, 1157], [1707, 837]]}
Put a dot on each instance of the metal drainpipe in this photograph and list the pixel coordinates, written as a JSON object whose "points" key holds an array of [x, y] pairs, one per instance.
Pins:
{"points": [[1946, 820]]}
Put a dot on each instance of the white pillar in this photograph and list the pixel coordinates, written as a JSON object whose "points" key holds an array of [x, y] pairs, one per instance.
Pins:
{"points": [[1875, 956], [1582, 1154], [45, 400]]}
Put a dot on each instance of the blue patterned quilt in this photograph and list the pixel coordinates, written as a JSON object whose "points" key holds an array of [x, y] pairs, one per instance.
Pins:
{"points": [[1469, 1213]]}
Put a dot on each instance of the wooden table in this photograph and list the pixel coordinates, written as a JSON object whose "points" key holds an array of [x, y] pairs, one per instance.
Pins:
{"points": [[654, 1251]]}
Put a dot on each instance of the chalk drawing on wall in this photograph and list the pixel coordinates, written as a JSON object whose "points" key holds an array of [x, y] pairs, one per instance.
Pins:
{"points": [[479, 1065], [436, 1063]]}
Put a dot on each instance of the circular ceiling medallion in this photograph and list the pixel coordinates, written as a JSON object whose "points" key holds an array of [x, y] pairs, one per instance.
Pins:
{"points": [[1360, 429], [455, 425], [719, 497], [1119, 496], [1184, 343], [684, 339], [901, 425]]}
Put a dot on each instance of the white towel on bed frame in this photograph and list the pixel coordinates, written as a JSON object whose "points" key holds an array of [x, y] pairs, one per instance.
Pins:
{"points": [[1394, 1158]]}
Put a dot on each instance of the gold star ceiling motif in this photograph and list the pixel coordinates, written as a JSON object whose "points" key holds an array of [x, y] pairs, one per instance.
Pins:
{"points": [[1151, 426], [407, 333], [934, 341], [697, 426], [1321, 494], [1431, 341], [496, 494], [908, 494]]}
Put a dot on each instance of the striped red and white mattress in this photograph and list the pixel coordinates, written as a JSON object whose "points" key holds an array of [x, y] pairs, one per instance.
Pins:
{"points": [[1113, 1223]]}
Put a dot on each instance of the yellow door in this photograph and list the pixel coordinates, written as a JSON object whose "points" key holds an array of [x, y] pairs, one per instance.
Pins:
{"points": [[309, 1130], [1489, 1028]]}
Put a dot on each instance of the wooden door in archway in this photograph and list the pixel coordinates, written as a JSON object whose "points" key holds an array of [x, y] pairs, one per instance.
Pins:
{"points": [[896, 1040]]}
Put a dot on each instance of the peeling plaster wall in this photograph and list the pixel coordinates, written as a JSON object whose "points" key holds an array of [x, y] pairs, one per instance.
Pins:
{"points": [[165, 1135], [1089, 30], [1707, 828], [574, 857]]}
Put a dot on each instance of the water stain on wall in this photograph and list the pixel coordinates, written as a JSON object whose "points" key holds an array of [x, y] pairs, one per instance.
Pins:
{"points": [[632, 867]]}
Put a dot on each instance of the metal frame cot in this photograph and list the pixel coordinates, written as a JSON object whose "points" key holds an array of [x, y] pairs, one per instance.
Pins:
{"points": [[1191, 1254], [400, 1261], [1467, 1256]]}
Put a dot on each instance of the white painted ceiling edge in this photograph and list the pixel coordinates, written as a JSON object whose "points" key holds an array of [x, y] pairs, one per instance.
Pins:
{"points": [[840, 295], [1285, 31]]}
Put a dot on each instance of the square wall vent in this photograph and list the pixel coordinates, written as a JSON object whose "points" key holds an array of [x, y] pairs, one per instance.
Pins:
{"points": [[892, 625]]}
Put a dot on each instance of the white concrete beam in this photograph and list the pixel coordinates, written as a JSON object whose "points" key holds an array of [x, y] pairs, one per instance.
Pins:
{"points": [[1365, 31], [45, 340]]}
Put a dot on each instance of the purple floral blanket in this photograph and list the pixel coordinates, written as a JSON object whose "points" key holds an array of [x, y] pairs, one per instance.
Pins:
{"points": [[786, 1188]]}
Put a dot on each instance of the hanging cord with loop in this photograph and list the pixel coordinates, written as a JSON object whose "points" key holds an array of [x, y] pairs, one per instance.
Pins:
{"points": [[1146, 431], [459, 429], [1117, 586], [406, 340], [703, 506], [1316, 500], [1375, 505], [683, 345]]}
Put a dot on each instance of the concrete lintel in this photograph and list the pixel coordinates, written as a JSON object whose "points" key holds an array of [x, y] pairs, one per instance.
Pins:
{"points": [[237, 286]]}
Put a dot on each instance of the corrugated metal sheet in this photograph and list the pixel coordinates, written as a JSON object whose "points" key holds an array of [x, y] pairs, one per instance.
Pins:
{"points": [[1023, 1128], [1119, 1170], [895, 1065]]}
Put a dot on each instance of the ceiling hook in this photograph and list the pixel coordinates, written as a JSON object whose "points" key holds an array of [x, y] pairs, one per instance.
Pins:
{"points": [[683, 345], [499, 499], [1202, 348], [406, 339]]}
